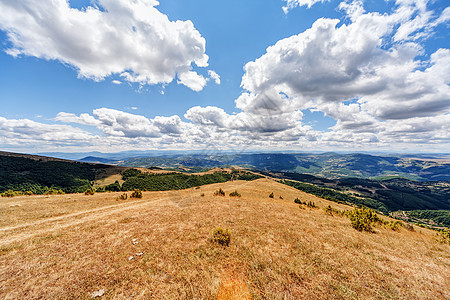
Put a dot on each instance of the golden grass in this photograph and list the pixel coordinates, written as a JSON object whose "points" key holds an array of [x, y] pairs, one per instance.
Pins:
{"points": [[159, 247]]}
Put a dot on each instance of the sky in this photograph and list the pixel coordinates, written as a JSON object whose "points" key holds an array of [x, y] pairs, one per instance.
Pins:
{"points": [[273, 75]]}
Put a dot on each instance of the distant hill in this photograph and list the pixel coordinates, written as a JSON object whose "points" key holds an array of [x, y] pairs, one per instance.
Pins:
{"points": [[93, 159], [38, 174], [328, 165], [386, 195]]}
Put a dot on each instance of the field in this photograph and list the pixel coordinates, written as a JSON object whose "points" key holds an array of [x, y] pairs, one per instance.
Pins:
{"points": [[76, 246]]}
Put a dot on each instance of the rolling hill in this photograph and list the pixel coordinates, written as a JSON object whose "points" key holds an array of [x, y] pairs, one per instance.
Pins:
{"points": [[328, 165], [161, 247], [39, 174]]}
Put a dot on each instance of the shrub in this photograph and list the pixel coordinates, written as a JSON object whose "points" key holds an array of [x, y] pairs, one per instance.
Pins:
{"points": [[394, 225], [202, 195], [235, 194], [54, 192], [221, 236], [408, 227], [363, 219], [124, 196], [89, 191], [11, 193], [100, 189], [298, 201], [444, 236], [219, 192], [136, 194], [332, 211], [28, 193], [271, 195], [311, 204]]}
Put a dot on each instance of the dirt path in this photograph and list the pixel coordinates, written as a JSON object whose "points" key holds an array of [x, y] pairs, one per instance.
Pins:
{"points": [[19, 233], [24, 231]]}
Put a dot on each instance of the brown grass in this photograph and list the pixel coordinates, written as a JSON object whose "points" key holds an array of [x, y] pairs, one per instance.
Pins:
{"points": [[160, 247]]}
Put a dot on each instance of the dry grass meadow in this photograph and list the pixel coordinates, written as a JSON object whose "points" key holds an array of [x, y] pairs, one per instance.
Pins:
{"points": [[158, 247]]}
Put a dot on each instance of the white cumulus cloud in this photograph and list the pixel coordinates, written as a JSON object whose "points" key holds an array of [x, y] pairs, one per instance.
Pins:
{"points": [[214, 76], [374, 60], [129, 38], [290, 4], [28, 130], [122, 124]]}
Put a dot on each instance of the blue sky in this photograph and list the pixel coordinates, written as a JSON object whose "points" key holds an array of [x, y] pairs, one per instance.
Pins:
{"points": [[113, 75]]}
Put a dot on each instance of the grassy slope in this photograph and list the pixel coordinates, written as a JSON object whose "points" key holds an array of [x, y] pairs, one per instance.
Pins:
{"points": [[71, 245]]}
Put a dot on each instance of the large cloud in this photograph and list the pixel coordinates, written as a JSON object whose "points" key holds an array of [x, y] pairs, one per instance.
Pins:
{"points": [[122, 124], [129, 38], [21, 131], [369, 74]]}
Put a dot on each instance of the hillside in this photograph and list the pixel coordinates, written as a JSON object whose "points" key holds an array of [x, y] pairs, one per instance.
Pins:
{"points": [[78, 246], [385, 195], [39, 174]]}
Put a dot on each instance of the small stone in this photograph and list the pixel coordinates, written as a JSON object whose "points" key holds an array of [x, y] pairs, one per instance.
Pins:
{"points": [[130, 258], [98, 293], [140, 253]]}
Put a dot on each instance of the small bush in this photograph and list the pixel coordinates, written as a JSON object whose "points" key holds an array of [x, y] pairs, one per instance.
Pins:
{"points": [[363, 219], [202, 195], [298, 201], [235, 194], [124, 196], [11, 193], [100, 189], [311, 204], [219, 192], [333, 212], [136, 194], [271, 195], [394, 225], [89, 191], [221, 236], [54, 192], [444, 236], [408, 226], [197, 188]]}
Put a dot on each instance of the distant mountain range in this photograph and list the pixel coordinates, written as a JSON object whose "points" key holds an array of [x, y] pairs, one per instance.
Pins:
{"points": [[328, 165], [378, 182]]}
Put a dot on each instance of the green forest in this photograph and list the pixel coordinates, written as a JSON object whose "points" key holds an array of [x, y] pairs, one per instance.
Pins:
{"points": [[134, 179], [440, 217], [384, 195], [336, 196], [39, 176]]}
